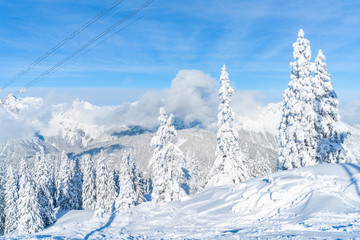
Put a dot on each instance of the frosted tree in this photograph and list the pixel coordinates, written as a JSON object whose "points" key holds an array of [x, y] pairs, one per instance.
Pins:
{"points": [[111, 185], [64, 176], [167, 176], [140, 184], [298, 136], [332, 133], [103, 179], [127, 197], [69, 186], [43, 189], [88, 187], [229, 166], [2, 201], [197, 179], [75, 186], [30, 220], [260, 165], [11, 197]]}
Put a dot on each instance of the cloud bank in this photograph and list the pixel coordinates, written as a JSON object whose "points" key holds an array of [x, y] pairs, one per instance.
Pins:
{"points": [[191, 97]]}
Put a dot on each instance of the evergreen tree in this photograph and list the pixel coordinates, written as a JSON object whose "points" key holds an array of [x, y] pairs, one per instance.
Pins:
{"points": [[63, 183], [298, 136], [30, 220], [332, 133], [102, 179], [75, 186], [168, 178], [44, 189], [2, 201], [127, 197], [229, 166], [51, 161], [11, 197], [111, 186], [197, 180], [88, 187], [260, 165], [140, 184], [69, 186]]}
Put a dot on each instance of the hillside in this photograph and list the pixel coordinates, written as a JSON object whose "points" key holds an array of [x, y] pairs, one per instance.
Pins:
{"points": [[312, 202]]}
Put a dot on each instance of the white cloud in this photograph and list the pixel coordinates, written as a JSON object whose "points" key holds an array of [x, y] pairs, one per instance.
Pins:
{"points": [[192, 96]]}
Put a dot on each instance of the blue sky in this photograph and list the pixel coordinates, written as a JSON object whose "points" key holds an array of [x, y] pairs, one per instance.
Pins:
{"points": [[253, 38]]}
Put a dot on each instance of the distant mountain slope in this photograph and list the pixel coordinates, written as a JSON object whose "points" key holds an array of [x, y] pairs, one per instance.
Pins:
{"points": [[321, 201]]}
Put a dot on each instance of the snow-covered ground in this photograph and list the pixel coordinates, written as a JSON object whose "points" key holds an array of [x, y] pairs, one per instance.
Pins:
{"points": [[321, 201]]}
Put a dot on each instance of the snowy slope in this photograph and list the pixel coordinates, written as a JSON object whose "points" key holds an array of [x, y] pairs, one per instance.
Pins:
{"points": [[321, 201]]}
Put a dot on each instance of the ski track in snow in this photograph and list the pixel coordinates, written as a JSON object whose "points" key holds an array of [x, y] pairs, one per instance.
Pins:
{"points": [[321, 201]]}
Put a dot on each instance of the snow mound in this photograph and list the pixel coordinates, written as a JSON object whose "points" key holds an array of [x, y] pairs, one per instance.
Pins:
{"points": [[321, 201]]}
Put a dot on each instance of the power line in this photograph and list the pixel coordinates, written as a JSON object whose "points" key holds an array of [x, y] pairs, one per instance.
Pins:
{"points": [[62, 43], [63, 61], [113, 34]]}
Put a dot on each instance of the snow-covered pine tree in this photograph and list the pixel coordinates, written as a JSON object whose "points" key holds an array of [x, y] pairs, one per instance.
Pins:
{"points": [[229, 166], [30, 220], [140, 184], [11, 197], [88, 187], [102, 179], [298, 136], [168, 178], [2, 201], [43, 188], [51, 165], [332, 133], [69, 186], [260, 165], [63, 182], [111, 185], [127, 197], [75, 186], [197, 179]]}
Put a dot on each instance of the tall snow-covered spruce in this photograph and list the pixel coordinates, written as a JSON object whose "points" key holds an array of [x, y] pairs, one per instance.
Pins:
{"points": [[2, 202], [69, 184], [168, 160], [43, 188], [111, 186], [310, 129], [298, 136], [332, 132], [11, 197], [105, 187], [127, 197], [88, 187], [229, 167], [30, 220]]}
